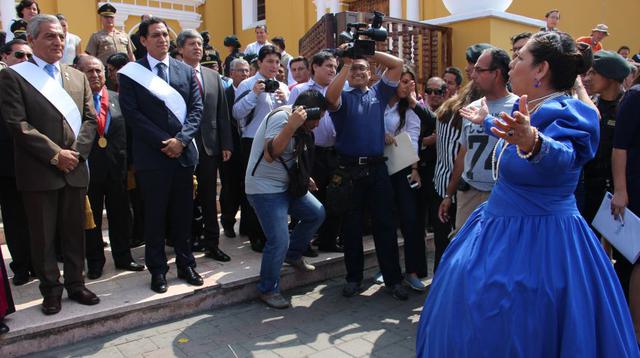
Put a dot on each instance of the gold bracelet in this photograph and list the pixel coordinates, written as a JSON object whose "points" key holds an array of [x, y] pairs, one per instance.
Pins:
{"points": [[535, 143]]}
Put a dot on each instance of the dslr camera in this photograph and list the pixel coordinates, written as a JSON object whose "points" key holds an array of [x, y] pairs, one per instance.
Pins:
{"points": [[270, 85], [361, 37], [313, 113]]}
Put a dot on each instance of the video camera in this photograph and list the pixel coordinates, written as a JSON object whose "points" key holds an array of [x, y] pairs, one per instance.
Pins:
{"points": [[359, 46]]}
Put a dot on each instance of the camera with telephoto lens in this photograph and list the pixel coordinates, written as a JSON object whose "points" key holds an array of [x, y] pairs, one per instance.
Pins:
{"points": [[270, 85], [359, 46]]}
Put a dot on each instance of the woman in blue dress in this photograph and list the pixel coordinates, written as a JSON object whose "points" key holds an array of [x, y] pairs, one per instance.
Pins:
{"points": [[526, 276]]}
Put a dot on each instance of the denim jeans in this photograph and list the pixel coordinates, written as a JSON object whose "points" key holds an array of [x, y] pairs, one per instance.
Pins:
{"points": [[273, 211]]}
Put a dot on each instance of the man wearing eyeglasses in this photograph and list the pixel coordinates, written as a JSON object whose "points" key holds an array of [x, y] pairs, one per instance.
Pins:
{"points": [[435, 92], [16, 51], [471, 180], [13, 215]]}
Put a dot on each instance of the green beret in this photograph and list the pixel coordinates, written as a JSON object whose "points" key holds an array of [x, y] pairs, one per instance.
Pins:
{"points": [[611, 65], [474, 51]]}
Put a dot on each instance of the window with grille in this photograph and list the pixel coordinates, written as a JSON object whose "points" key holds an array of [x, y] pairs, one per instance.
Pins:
{"points": [[260, 10]]}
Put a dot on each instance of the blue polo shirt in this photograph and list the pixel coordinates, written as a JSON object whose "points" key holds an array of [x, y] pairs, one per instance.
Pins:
{"points": [[359, 119]]}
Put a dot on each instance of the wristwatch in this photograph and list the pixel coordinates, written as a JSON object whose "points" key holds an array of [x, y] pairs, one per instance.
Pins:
{"points": [[54, 160]]}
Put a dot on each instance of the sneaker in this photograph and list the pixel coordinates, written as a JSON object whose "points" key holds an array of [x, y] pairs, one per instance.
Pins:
{"points": [[300, 264], [399, 292], [415, 283], [351, 289], [378, 279], [275, 300]]}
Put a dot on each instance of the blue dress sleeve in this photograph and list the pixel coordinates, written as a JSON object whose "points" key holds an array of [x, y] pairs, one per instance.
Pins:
{"points": [[569, 134]]}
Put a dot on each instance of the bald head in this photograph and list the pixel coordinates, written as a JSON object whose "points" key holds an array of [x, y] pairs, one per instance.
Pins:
{"points": [[93, 68]]}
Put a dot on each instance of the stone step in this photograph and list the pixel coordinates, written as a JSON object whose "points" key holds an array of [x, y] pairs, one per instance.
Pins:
{"points": [[127, 301]]}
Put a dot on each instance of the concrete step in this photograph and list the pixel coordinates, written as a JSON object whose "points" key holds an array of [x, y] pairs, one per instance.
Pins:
{"points": [[127, 301]]}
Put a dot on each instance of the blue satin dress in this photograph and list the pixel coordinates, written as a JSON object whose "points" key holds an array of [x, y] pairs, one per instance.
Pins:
{"points": [[526, 276]]}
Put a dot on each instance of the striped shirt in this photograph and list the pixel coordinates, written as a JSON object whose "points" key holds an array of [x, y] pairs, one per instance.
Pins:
{"points": [[447, 146]]}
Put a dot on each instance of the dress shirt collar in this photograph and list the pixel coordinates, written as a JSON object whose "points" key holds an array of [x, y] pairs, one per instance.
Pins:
{"points": [[41, 63], [153, 61]]}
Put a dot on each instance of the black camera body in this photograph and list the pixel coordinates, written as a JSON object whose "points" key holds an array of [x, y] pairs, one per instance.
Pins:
{"points": [[270, 86], [357, 46]]}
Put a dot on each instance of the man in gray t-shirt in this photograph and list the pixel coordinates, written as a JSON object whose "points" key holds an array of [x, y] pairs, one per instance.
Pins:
{"points": [[477, 160]]}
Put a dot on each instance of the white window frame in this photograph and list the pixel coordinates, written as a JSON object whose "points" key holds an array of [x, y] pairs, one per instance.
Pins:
{"points": [[250, 15]]}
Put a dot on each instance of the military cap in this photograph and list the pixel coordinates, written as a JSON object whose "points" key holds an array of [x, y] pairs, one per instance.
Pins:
{"points": [[107, 10], [231, 40], [18, 27], [209, 58], [611, 65], [474, 51]]}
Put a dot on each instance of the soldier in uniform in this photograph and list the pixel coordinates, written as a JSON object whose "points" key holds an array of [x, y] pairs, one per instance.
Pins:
{"points": [[19, 29], [109, 40], [605, 77]]}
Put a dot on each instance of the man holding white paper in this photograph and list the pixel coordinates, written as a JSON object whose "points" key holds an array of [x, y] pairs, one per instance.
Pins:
{"points": [[48, 109], [161, 103]]}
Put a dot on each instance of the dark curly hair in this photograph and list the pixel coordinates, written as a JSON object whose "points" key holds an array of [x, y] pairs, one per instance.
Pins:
{"points": [[566, 60]]}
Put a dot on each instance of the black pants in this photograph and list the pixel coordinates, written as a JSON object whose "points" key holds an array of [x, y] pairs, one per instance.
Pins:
{"points": [[373, 191], [441, 230], [207, 173], [324, 164], [59, 213], [415, 255], [231, 191], [249, 224], [16, 229], [168, 197], [137, 209], [112, 194]]}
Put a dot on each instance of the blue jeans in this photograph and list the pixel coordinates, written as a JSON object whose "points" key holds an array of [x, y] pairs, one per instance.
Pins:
{"points": [[273, 211]]}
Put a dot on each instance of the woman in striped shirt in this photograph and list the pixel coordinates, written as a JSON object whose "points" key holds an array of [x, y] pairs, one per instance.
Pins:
{"points": [[448, 130]]}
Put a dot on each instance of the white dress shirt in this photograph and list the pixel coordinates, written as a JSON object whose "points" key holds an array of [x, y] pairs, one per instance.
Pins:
{"points": [[153, 62], [41, 63]]}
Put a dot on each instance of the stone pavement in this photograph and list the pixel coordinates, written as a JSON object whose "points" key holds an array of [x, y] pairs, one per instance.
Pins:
{"points": [[321, 323]]}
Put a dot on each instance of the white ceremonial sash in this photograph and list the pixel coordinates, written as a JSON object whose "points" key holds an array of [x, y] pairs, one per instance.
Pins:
{"points": [[156, 85], [53, 91]]}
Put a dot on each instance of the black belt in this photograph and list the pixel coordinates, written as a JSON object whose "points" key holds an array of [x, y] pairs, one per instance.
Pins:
{"points": [[357, 161]]}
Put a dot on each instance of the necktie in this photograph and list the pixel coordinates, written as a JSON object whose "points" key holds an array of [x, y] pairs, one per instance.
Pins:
{"points": [[51, 70], [197, 72], [162, 73]]}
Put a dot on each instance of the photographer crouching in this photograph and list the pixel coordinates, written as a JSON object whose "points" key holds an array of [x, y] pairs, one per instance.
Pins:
{"points": [[277, 184], [358, 117]]}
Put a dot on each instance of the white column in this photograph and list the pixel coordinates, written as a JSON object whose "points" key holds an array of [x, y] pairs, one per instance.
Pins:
{"points": [[7, 13], [334, 6], [413, 10], [395, 8]]}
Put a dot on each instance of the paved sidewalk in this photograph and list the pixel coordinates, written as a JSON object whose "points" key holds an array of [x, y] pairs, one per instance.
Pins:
{"points": [[321, 323]]}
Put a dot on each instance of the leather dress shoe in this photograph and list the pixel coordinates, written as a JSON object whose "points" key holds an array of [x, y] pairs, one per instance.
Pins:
{"points": [[131, 266], [84, 297], [20, 278], [3, 328], [217, 255], [93, 274], [136, 243], [330, 248], [159, 283], [51, 305], [191, 276], [198, 246]]}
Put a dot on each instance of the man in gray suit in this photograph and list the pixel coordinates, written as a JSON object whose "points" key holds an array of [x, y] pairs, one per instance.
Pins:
{"points": [[49, 112], [213, 139]]}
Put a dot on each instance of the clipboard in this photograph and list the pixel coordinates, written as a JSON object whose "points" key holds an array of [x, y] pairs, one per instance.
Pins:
{"points": [[623, 235], [400, 155]]}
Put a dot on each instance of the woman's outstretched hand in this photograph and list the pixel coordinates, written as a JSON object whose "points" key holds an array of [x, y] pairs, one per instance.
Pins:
{"points": [[517, 129], [474, 114]]}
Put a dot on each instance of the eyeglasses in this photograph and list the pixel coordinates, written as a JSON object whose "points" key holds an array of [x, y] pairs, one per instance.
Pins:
{"points": [[437, 92], [21, 54], [479, 69]]}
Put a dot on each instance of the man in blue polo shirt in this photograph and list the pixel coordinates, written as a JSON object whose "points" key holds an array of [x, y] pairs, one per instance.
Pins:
{"points": [[358, 117]]}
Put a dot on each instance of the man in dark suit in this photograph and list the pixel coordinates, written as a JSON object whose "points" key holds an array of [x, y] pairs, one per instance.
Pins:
{"points": [[14, 219], [107, 176], [164, 119], [231, 173], [49, 111], [213, 139]]}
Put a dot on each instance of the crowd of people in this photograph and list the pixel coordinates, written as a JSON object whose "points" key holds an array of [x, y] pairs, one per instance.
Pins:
{"points": [[512, 167]]}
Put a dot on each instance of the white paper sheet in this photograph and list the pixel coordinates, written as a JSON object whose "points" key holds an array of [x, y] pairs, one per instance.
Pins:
{"points": [[623, 236], [400, 155]]}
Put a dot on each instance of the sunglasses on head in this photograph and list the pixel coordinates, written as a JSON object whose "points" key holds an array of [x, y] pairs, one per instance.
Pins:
{"points": [[21, 54], [437, 92]]}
